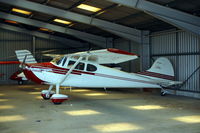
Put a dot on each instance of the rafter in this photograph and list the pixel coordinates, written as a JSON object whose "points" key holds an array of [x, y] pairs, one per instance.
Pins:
{"points": [[71, 43], [132, 34], [98, 40], [177, 18]]}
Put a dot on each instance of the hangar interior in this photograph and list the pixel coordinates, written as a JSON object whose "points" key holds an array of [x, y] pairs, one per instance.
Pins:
{"points": [[151, 29], [148, 28]]}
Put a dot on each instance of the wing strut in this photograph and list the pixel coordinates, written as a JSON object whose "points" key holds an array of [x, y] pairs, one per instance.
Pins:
{"points": [[71, 69]]}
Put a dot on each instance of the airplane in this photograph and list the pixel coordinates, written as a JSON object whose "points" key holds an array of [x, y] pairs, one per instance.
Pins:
{"points": [[85, 69]]}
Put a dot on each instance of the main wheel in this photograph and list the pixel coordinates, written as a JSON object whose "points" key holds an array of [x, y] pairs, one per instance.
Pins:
{"points": [[45, 96]]}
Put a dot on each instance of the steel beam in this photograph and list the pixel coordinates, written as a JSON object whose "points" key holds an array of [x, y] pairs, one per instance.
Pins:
{"points": [[105, 25], [67, 42], [177, 18], [100, 41]]}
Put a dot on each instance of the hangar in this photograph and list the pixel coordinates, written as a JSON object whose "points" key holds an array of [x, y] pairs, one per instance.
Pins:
{"points": [[149, 28]]}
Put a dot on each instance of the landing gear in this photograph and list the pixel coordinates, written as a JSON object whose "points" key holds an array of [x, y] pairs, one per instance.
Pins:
{"points": [[163, 92], [46, 94], [55, 98], [58, 98]]}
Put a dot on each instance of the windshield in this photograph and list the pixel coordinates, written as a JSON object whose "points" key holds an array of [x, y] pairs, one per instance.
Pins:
{"points": [[57, 60]]}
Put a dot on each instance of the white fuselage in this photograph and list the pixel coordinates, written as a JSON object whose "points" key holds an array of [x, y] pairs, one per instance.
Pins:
{"points": [[102, 77]]}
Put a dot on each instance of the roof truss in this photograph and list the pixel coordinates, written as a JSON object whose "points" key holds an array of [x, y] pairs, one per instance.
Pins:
{"points": [[177, 18]]}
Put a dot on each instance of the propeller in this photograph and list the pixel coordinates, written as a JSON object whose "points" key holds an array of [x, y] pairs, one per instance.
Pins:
{"points": [[22, 65]]}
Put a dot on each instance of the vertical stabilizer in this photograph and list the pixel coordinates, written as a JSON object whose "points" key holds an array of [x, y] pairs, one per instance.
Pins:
{"points": [[162, 66]]}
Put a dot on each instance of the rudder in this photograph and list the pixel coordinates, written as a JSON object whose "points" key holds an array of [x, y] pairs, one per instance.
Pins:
{"points": [[162, 66]]}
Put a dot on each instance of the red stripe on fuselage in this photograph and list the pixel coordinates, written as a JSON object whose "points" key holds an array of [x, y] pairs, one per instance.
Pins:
{"points": [[156, 75]]}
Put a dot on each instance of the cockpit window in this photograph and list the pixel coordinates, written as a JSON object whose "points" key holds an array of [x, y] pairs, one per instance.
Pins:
{"points": [[80, 65], [91, 68]]}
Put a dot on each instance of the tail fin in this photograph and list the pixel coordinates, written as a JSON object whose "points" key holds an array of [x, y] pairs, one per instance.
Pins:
{"points": [[162, 66], [161, 70], [162, 73], [21, 55]]}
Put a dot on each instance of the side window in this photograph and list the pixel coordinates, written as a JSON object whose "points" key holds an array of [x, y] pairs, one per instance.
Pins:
{"points": [[91, 68], [80, 66], [59, 61]]}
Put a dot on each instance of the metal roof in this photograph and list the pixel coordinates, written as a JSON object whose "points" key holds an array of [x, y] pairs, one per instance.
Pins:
{"points": [[111, 12]]}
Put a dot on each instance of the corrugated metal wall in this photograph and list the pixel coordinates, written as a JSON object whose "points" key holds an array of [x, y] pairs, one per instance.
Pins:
{"points": [[183, 50], [11, 41]]}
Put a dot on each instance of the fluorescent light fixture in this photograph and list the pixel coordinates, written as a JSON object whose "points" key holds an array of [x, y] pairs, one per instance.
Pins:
{"points": [[61, 21], [89, 8], [45, 29], [10, 21], [21, 11]]}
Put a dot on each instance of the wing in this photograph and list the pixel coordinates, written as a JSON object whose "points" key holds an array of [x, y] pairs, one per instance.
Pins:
{"points": [[106, 56]]}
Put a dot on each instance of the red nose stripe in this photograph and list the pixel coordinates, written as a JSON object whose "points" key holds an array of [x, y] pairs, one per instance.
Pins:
{"points": [[29, 75]]}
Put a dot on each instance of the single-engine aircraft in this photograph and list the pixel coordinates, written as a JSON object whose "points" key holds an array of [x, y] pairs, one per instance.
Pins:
{"points": [[85, 69]]}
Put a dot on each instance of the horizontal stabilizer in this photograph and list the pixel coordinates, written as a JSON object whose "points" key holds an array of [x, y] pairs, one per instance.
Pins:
{"points": [[21, 55]]}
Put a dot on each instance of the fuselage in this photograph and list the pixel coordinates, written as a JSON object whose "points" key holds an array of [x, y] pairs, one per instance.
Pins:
{"points": [[87, 74]]}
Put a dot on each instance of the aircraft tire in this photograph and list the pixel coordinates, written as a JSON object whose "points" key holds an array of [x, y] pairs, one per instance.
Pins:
{"points": [[20, 82]]}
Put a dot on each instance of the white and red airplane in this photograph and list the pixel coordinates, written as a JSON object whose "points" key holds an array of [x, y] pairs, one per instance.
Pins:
{"points": [[85, 69]]}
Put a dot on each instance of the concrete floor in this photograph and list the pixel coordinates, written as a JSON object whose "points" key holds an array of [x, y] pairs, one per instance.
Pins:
{"points": [[93, 111]]}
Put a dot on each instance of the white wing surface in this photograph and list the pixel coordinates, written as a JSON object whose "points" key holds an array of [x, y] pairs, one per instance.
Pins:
{"points": [[106, 56]]}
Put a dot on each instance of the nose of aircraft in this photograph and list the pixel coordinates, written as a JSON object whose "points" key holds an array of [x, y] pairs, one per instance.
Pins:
{"points": [[30, 75]]}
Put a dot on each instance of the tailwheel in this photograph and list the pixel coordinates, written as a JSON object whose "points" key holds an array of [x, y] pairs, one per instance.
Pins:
{"points": [[46, 94], [163, 93], [58, 98]]}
